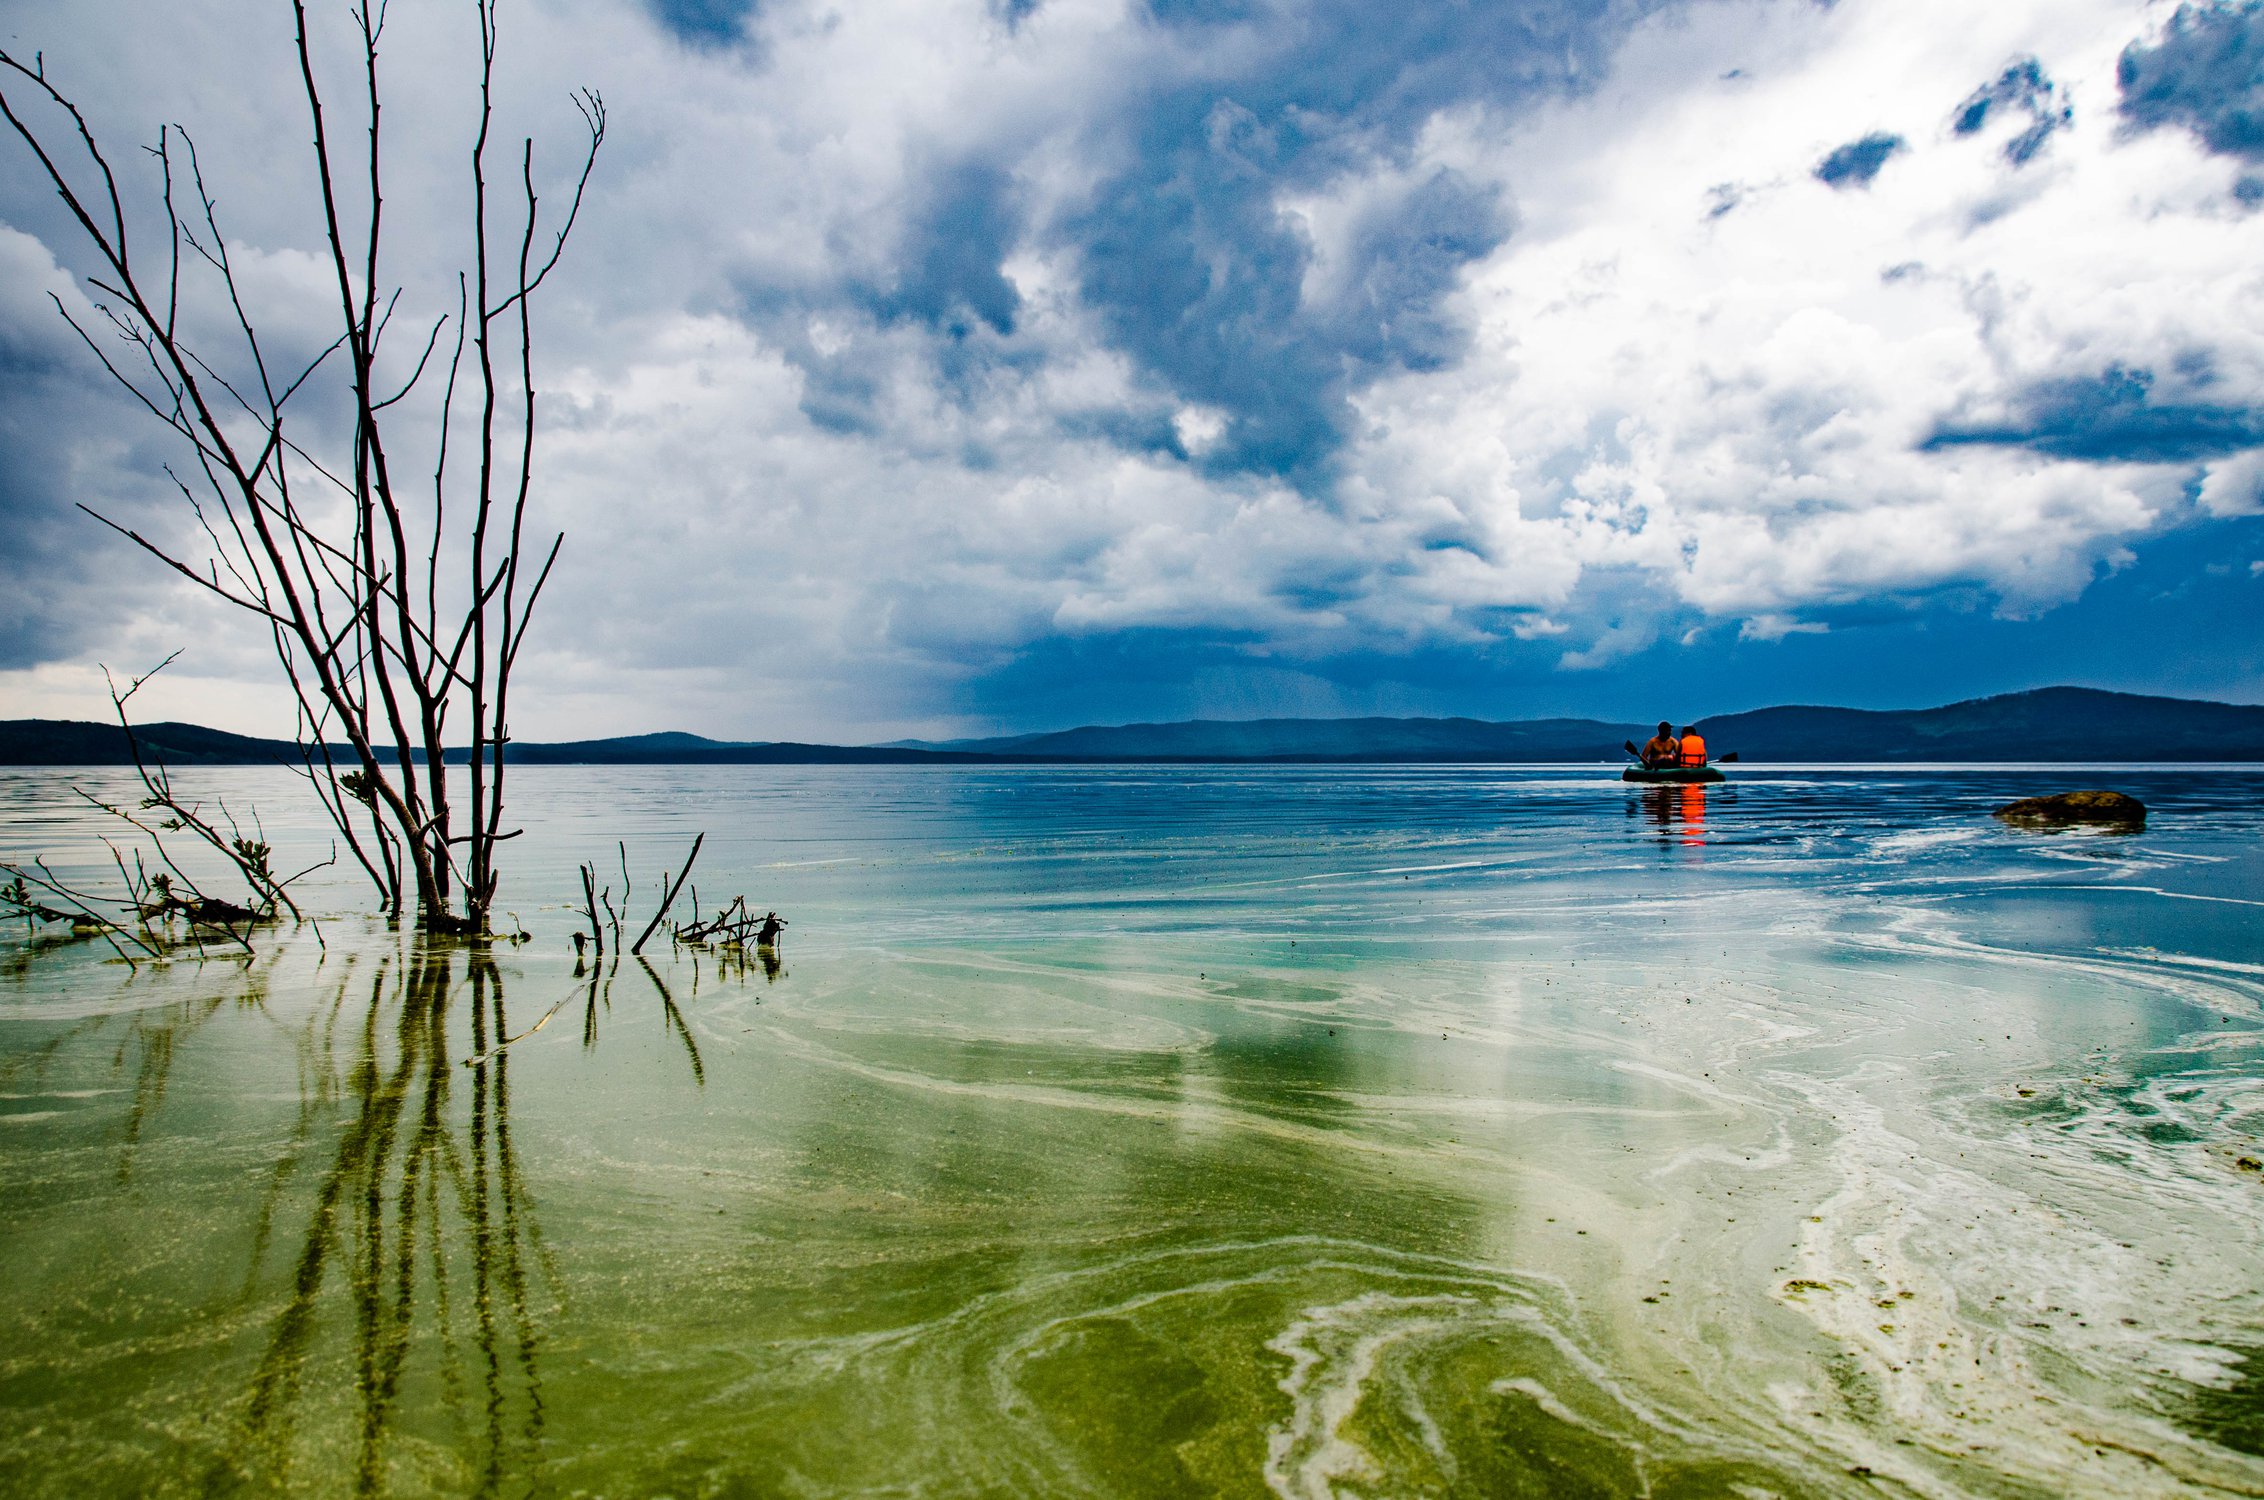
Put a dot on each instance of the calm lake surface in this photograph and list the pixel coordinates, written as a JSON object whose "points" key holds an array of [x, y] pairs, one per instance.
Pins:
{"points": [[1314, 1131]]}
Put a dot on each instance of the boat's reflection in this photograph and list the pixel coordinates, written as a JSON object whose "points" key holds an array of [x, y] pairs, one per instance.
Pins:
{"points": [[1677, 811]]}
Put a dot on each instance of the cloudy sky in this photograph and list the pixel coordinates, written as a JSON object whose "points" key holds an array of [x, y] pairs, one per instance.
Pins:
{"points": [[956, 366]]}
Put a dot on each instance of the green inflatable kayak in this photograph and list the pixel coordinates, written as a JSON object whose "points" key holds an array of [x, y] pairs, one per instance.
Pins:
{"points": [[1673, 775]]}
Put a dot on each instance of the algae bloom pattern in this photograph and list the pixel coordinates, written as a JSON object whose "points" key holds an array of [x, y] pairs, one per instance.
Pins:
{"points": [[1297, 1131]]}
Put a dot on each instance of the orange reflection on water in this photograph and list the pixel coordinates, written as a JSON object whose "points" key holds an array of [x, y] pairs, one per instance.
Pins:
{"points": [[1683, 807]]}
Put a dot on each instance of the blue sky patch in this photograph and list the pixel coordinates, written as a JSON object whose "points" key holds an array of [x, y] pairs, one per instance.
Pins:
{"points": [[2021, 89], [1856, 163]]}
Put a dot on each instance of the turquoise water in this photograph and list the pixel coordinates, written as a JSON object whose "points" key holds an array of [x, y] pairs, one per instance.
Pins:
{"points": [[1304, 1131]]}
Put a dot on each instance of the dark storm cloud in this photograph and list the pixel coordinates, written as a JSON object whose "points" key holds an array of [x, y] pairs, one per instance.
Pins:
{"points": [[1197, 275], [42, 576], [705, 22], [952, 255], [943, 281], [2112, 418], [1184, 255], [1856, 163], [63, 577], [2206, 74], [1402, 262], [1163, 674], [2021, 89], [1148, 432], [1196, 13]]}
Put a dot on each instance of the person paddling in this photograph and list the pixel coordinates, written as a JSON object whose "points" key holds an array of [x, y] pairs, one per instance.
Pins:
{"points": [[1661, 749], [1690, 750]]}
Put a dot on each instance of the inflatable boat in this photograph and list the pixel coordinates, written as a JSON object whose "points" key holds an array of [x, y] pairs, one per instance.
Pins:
{"points": [[1673, 775]]}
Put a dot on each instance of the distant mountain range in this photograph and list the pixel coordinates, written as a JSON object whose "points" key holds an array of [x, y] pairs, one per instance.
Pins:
{"points": [[2047, 724], [1531, 740], [74, 742], [2055, 723]]}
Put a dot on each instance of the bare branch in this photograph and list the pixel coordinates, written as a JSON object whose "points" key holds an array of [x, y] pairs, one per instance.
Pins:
{"points": [[358, 630], [668, 896]]}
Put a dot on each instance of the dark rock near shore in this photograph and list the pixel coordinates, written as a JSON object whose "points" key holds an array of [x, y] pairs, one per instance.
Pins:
{"points": [[2113, 809]]}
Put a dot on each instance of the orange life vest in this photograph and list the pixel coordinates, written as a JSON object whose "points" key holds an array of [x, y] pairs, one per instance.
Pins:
{"points": [[1693, 751]]}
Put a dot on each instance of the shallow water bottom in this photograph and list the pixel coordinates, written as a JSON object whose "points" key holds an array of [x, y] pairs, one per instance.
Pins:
{"points": [[1414, 1165]]}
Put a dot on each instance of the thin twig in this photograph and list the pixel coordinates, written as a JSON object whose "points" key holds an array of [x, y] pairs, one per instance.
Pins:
{"points": [[668, 899]]}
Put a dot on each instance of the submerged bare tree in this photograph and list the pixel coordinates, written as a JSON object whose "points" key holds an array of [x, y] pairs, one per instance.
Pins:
{"points": [[393, 603]]}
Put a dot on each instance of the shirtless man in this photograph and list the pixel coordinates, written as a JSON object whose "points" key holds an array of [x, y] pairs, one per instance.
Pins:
{"points": [[1662, 749]]}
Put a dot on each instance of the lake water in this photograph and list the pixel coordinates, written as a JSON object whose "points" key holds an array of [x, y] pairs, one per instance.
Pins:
{"points": [[1129, 1131]]}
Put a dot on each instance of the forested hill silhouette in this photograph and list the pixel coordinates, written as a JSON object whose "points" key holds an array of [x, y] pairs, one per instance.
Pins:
{"points": [[73, 742], [2047, 724], [1531, 740]]}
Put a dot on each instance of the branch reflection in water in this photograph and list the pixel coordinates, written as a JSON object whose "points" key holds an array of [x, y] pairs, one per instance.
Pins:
{"points": [[419, 1219]]}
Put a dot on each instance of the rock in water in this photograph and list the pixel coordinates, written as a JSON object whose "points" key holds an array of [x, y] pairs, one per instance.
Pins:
{"points": [[2112, 808]]}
